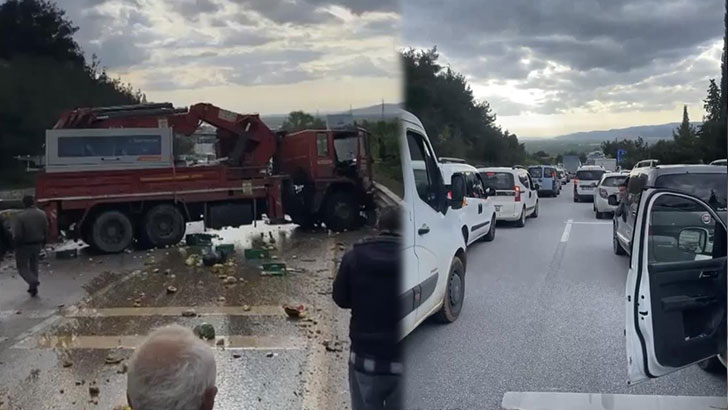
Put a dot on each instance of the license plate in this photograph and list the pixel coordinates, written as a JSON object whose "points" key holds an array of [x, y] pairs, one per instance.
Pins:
{"points": [[588, 188]]}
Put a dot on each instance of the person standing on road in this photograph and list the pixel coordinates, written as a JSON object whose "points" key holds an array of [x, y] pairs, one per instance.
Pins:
{"points": [[30, 233], [368, 283]]}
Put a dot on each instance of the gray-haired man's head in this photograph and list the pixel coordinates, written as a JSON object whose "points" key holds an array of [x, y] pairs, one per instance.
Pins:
{"points": [[172, 370], [390, 220]]}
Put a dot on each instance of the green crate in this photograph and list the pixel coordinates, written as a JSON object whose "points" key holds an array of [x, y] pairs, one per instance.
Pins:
{"points": [[67, 254], [256, 253], [273, 269], [199, 250], [198, 239], [226, 250]]}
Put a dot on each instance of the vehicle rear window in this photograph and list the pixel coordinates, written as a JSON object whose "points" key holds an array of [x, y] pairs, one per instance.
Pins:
{"points": [[535, 172], [589, 175], [548, 172], [613, 181], [708, 187], [498, 180]]}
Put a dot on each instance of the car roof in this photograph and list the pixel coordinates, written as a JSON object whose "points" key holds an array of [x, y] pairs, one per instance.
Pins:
{"points": [[590, 168], [499, 169], [457, 166], [683, 168], [614, 174]]}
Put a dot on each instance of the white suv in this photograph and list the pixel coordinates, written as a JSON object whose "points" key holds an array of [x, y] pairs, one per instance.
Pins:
{"points": [[586, 181], [433, 246], [516, 195], [608, 185], [477, 215]]}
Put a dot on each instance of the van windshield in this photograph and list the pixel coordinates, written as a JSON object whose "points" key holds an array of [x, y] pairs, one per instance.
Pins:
{"points": [[498, 180], [711, 188]]}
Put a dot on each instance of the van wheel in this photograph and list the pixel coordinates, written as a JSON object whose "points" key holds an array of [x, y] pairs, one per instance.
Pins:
{"points": [[491, 232], [341, 212], [535, 211], [163, 225], [454, 293], [521, 222], [712, 365], [111, 232], [618, 250]]}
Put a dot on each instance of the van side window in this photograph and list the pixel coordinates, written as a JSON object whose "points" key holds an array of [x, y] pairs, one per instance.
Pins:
{"points": [[424, 168], [478, 186], [525, 179]]}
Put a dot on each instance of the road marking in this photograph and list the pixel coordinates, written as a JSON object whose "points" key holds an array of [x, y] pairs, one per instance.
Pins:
{"points": [[590, 223], [567, 231], [599, 401], [263, 310], [233, 342]]}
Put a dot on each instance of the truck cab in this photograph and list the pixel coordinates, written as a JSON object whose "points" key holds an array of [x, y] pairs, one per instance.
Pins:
{"points": [[433, 252]]}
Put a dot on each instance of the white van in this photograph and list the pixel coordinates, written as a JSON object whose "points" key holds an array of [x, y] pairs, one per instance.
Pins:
{"points": [[516, 195], [477, 215], [433, 246]]}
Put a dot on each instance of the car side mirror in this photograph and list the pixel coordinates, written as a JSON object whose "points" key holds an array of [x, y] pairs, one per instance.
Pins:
{"points": [[612, 200], [693, 240], [536, 186], [457, 191], [489, 192]]}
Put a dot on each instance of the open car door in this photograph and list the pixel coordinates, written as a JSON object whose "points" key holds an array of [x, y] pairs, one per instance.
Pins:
{"points": [[676, 285]]}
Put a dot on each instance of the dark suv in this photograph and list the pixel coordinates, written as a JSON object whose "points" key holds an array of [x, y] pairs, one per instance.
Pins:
{"points": [[706, 182]]}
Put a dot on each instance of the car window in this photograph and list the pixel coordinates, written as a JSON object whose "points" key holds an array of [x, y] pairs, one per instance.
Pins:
{"points": [[680, 230], [525, 180], [478, 186], [708, 187], [595, 175], [535, 172], [424, 169], [549, 172], [637, 183], [498, 180], [613, 181]]}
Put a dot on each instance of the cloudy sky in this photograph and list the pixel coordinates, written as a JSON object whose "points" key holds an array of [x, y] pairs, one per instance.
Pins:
{"points": [[266, 56], [551, 67]]}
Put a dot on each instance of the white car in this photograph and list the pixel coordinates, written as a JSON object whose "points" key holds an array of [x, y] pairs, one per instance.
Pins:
{"points": [[433, 246], [675, 289], [723, 162], [608, 185], [646, 163], [477, 215], [586, 181], [516, 195]]}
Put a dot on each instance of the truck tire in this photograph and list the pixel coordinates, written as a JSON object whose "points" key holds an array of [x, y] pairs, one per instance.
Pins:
{"points": [[111, 232], [454, 293], [712, 365], [341, 212], [163, 225]]}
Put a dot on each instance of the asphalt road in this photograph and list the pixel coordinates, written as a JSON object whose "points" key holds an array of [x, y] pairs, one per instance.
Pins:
{"points": [[100, 306], [544, 312]]}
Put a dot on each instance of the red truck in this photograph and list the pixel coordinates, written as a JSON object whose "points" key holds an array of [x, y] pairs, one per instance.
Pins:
{"points": [[112, 178]]}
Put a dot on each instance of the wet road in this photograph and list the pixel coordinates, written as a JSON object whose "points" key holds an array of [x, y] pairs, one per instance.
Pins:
{"points": [[94, 310], [540, 315]]}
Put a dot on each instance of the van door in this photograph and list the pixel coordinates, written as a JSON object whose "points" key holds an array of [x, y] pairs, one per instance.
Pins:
{"points": [[426, 200], [676, 285], [480, 221], [525, 179]]}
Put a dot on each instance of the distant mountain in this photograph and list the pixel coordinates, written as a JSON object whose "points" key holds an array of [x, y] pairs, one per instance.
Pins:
{"points": [[650, 133], [370, 113]]}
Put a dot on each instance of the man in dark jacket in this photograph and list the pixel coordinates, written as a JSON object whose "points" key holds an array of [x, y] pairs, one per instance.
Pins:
{"points": [[30, 232], [368, 283]]}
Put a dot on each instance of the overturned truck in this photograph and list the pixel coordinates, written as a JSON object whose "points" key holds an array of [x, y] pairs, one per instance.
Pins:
{"points": [[112, 177]]}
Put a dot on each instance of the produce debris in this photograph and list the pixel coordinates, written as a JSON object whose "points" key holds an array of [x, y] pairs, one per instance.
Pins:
{"points": [[295, 311], [205, 331]]}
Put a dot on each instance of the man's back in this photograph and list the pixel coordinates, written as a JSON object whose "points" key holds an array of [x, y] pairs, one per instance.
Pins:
{"points": [[31, 226]]}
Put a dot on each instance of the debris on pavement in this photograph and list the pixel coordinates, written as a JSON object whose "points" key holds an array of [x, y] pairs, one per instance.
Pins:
{"points": [[67, 363], [236, 355], [230, 280], [137, 303], [205, 331], [113, 358], [220, 342], [271, 354], [189, 313], [332, 346], [273, 269], [295, 311], [221, 299], [246, 308], [171, 289], [123, 368], [93, 391]]}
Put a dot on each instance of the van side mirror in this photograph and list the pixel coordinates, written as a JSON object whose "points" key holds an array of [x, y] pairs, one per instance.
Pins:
{"points": [[536, 186], [612, 200], [457, 191]]}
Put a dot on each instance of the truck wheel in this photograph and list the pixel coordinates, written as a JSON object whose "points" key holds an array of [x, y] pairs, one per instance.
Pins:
{"points": [[712, 365], [163, 225], [342, 212], [491, 232], [111, 232], [454, 293]]}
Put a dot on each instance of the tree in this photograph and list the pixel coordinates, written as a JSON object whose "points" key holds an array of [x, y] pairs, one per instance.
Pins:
{"points": [[712, 134], [712, 103], [686, 141], [299, 120], [37, 27]]}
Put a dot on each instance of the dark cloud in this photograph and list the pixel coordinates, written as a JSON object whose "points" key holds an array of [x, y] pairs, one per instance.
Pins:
{"points": [[606, 46]]}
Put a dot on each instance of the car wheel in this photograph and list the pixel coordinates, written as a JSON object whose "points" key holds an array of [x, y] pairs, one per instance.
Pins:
{"points": [[616, 246], [521, 222], [535, 211], [454, 293], [712, 365], [491, 232]]}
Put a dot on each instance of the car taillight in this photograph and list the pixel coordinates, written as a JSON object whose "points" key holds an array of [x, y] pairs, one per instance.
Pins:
{"points": [[603, 193], [518, 193]]}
